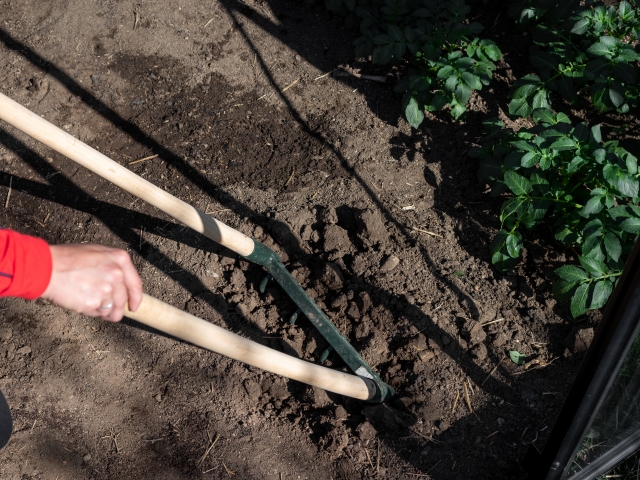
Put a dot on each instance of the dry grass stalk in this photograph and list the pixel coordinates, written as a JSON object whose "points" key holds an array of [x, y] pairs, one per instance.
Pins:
{"points": [[143, 159], [455, 404], [291, 84], [208, 450], [466, 397], [6, 203], [427, 232]]}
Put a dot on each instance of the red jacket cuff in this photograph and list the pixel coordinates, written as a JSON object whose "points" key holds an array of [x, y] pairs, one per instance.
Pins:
{"points": [[25, 265]]}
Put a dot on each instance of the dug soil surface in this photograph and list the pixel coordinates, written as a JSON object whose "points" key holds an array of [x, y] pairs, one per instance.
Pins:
{"points": [[234, 109]]}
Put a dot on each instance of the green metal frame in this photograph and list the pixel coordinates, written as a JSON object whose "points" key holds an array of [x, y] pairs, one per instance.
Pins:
{"points": [[270, 260]]}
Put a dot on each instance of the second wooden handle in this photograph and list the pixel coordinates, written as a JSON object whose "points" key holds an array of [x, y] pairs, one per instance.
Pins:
{"points": [[168, 319], [81, 153]]}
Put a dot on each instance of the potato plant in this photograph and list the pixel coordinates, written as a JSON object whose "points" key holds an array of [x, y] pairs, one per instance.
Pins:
{"points": [[566, 177], [447, 61], [588, 46]]}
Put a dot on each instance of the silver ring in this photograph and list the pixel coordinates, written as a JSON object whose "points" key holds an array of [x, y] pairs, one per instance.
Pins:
{"points": [[107, 306]]}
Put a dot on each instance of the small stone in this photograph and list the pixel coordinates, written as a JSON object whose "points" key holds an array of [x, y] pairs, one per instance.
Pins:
{"points": [[24, 350], [95, 79], [500, 421], [390, 263], [341, 413], [426, 355], [86, 458], [445, 340], [158, 398]]}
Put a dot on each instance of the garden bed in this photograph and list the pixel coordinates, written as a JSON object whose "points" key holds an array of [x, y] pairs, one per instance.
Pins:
{"points": [[387, 227]]}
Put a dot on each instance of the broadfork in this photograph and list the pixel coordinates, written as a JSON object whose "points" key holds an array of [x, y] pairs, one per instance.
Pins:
{"points": [[365, 385]]}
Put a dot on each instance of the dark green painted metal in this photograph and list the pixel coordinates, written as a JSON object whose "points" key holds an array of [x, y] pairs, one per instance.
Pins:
{"points": [[270, 260]]}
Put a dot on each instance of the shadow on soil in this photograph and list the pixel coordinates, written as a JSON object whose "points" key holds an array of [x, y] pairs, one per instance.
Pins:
{"points": [[413, 448]]}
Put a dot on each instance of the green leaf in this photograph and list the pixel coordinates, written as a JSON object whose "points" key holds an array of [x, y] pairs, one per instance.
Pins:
{"points": [[599, 50], [499, 256], [579, 300], [517, 183], [631, 225], [618, 178], [544, 115], [571, 273], [520, 107], [594, 205], [471, 80], [595, 134], [616, 96], [562, 289], [541, 99], [563, 144], [612, 246], [594, 267], [581, 26], [451, 83], [439, 101], [458, 273], [414, 113], [517, 358], [462, 94], [625, 72], [444, 72], [530, 159], [514, 244], [395, 33], [601, 293]]}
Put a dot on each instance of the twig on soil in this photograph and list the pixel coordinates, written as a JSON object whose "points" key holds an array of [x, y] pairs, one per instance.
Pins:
{"points": [[492, 321], [33, 426], [493, 371], [489, 436], [290, 177], [151, 157], [373, 78], [154, 440], [540, 365], [207, 24], [6, 203], [136, 20], [265, 95], [431, 439], [290, 85], [326, 74], [368, 457], [217, 211], [208, 450], [466, 397], [471, 387], [455, 404], [229, 472], [427, 232]]}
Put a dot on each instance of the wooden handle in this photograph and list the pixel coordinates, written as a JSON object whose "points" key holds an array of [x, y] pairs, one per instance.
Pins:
{"points": [[170, 320], [60, 141]]}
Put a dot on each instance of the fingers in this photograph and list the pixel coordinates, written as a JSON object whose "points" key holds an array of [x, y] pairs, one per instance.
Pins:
{"points": [[89, 278], [132, 280], [119, 299]]}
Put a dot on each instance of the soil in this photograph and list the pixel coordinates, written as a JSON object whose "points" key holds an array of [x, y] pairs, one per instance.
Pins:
{"points": [[386, 227]]}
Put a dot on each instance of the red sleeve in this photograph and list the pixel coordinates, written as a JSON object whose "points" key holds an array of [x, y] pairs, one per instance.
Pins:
{"points": [[25, 265]]}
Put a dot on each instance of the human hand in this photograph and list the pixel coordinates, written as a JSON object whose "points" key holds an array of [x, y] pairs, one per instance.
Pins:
{"points": [[94, 280]]}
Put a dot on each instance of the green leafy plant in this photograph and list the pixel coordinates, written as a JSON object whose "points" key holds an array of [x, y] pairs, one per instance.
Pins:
{"points": [[565, 176], [579, 47], [447, 60]]}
